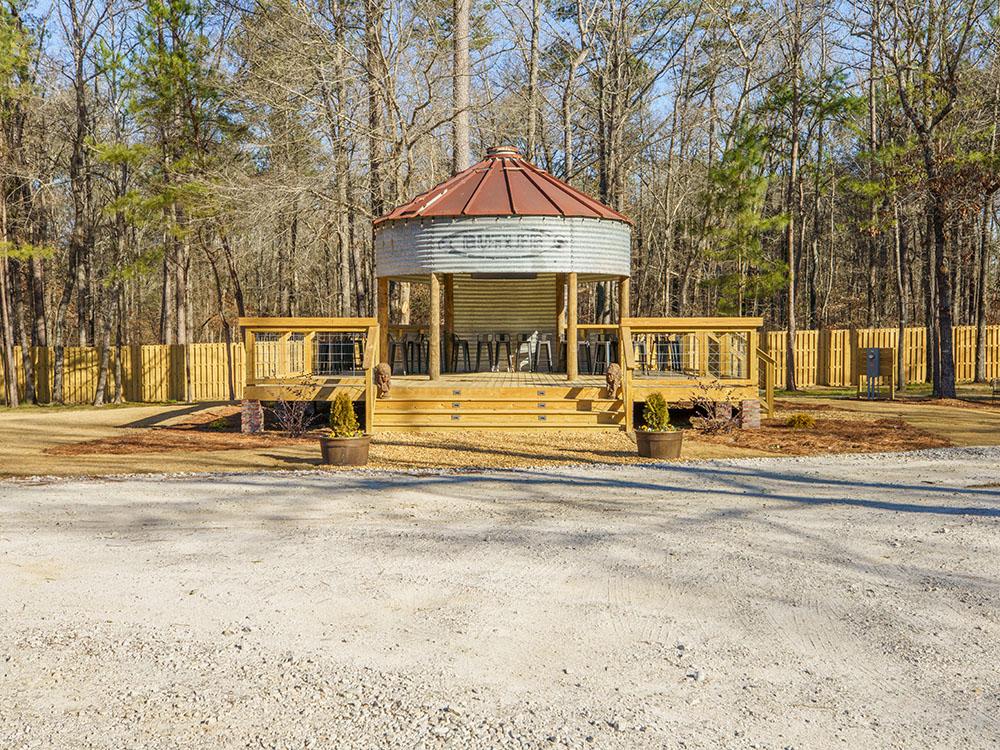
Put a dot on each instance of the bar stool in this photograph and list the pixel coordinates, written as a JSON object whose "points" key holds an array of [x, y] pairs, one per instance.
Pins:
{"points": [[501, 339], [523, 347], [639, 347], [416, 347], [459, 344], [603, 344], [484, 339], [397, 347], [585, 346], [544, 342], [668, 353]]}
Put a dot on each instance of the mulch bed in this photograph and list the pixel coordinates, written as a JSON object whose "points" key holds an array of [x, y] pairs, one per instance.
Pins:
{"points": [[831, 436], [169, 439]]}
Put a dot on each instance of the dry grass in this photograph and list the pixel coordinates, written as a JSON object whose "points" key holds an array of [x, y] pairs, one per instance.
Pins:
{"points": [[182, 438]]}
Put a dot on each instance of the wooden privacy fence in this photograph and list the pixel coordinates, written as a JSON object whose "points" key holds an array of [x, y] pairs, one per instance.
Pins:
{"points": [[827, 357], [200, 372], [149, 372]]}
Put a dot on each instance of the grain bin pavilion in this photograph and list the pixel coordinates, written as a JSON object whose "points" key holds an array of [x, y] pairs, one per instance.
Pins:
{"points": [[503, 247], [509, 244]]}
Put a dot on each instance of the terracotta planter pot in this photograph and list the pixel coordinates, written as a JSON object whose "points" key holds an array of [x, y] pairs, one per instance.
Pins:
{"points": [[659, 444], [345, 451]]}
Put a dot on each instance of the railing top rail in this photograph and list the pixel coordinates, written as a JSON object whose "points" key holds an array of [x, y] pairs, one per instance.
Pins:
{"points": [[766, 357], [627, 350], [679, 325], [371, 348], [307, 324]]}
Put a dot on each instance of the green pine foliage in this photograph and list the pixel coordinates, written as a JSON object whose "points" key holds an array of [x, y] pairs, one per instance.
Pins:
{"points": [[343, 420], [656, 414], [736, 196]]}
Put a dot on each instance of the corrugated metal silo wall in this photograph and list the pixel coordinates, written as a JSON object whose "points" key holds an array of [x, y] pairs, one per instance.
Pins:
{"points": [[505, 305], [509, 244]]}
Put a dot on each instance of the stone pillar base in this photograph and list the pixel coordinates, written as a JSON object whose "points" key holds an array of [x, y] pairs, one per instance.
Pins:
{"points": [[251, 417], [749, 414]]}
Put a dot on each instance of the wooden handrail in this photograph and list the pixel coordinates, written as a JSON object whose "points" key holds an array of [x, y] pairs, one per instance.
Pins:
{"points": [[628, 350], [689, 325], [371, 348], [769, 366], [297, 325]]}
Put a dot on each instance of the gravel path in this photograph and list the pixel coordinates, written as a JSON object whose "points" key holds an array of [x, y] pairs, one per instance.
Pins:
{"points": [[764, 603]]}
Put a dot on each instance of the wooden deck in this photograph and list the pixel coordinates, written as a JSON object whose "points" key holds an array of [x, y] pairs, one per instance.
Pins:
{"points": [[707, 358], [496, 380]]}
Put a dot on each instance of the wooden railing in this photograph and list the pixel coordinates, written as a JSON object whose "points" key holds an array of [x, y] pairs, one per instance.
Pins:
{"points": [[733, 342], [767, 369], [294, 354]]}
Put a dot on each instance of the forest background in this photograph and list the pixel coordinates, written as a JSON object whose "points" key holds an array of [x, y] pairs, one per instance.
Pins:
{"points": [[168, 166]]}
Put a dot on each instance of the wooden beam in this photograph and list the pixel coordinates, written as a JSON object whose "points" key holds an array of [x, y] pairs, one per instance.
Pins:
{"points": [[688, 325], [571, 312], [383, 318], [560, 306], [624, 291], [249, 357], [434, 356], [307, 324]]}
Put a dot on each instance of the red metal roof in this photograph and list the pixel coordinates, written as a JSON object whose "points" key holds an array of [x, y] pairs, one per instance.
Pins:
{"points": [[503, 184]]}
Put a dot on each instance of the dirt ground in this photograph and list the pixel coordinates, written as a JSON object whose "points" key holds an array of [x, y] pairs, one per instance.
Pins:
{"points": [[198, 438], [806, 602]]}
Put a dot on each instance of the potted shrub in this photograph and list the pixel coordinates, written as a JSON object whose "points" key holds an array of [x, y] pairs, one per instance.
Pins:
{"points": [[346, 445], [657, 438]]}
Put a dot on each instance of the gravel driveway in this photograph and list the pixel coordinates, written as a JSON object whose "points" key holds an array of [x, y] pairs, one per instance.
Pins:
{"points": [[769, 603]]}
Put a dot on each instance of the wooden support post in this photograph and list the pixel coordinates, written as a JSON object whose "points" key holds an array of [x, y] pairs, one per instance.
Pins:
{"points": [[624, 290], [560, 305], [383, 318], [434, 356], [571, 312], [308, 353], [249, 358], [449, 317]]}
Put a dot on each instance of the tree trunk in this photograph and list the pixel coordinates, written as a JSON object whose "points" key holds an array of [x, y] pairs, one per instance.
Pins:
{"points": [[461, 155]]}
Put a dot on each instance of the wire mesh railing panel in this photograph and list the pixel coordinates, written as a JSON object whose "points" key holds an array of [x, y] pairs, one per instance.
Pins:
{"points": [[728, 355], [660, 355], [339, 353]]}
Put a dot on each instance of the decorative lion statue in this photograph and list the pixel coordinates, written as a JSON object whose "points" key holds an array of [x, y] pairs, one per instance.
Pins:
{"points": [[613, 377], [383, 379]]}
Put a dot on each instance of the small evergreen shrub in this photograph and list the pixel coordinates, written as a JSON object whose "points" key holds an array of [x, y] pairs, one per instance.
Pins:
{"points": [[656, 414], [801, 422], [343, 420]]}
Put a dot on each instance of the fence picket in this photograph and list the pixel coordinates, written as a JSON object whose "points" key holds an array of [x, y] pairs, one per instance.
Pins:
{"points": [[200, 372]]}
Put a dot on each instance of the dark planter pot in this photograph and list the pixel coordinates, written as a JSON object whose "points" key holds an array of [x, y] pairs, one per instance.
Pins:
{"points": [[345, 451], [659, 444]]}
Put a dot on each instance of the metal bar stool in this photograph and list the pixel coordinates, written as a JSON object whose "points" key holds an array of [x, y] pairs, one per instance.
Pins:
{"points": [[639, 347], [604, 344], [416, 346], [460, 344], [585, 347], [397, 347], [523, 347], [501, 339], [544, 342], [484, 339]]}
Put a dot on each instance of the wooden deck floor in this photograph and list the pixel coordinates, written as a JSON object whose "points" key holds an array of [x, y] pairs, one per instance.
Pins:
{"points": [[495, 380]]}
